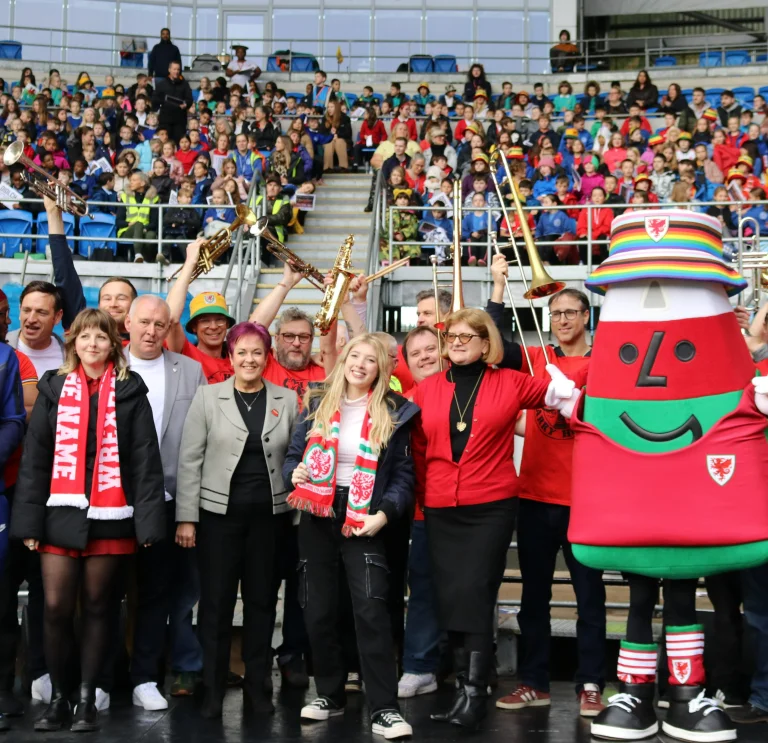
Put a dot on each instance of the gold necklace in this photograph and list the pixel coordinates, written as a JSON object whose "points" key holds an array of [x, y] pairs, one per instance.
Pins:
{"points": [[461, 426]]}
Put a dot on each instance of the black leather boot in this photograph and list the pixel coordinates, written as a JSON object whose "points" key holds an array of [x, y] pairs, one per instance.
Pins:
{"points": [[471, 713], [459, 697], [86, 717], [56, 717]]}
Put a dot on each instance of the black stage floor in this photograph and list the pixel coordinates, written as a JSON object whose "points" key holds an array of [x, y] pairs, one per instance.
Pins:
{"points": [[181, 723]]}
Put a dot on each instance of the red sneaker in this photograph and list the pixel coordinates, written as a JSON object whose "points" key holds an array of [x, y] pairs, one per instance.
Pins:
{"points": [[524, 696], [590, 701]]}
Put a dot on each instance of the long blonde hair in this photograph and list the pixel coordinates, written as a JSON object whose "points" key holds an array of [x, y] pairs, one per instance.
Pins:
{"points": [[93, 318], [332, 392]]}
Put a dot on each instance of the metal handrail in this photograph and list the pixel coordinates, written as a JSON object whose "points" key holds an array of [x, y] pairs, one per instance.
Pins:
{"points": [[374, 236]]}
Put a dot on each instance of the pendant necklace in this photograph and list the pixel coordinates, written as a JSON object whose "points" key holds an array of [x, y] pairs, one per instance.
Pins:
{"points": [[461, 425], [247, 406]]}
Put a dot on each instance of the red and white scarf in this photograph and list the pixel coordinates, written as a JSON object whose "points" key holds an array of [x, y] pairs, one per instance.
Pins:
{"points": [[107, 501], [321, 457]]}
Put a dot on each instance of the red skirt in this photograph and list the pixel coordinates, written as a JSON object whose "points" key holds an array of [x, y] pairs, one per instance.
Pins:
{"points": [[95, 548]]}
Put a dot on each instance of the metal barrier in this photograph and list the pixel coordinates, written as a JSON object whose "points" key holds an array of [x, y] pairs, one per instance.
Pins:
{"points": [[510, 56]]}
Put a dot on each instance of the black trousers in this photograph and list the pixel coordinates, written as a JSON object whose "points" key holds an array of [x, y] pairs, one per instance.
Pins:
{"points": [[21, 565], [160, 570], [542, 529], [679, 605], [321, 548], [238, 548], [726, 594], [295, 640]]}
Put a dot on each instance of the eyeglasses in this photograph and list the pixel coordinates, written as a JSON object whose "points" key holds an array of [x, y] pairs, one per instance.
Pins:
{"points": [[557, 315], [464, 338], [291, 337]]}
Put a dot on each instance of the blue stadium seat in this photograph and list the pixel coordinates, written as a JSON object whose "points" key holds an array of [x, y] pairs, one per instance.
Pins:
{"points": [[763, 91], [710, 59], [665, 61], [351, 98], [100, 229], [42, 229], [303, 64], [713, 96], [737, 57], [10, 50], [688, 93], [15, 222], [585, 67], [272, 65], [446, 63], [379, 98], [421, 63], [132, 59], [745, 96], [761, 57]]}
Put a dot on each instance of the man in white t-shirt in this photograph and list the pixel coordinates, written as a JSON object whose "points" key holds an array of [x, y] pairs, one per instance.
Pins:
{"points": [[240, 70], [167, 582], [41, 310]]}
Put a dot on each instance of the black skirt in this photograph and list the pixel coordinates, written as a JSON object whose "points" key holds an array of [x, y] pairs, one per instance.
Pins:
{"points": [[468, 552]]}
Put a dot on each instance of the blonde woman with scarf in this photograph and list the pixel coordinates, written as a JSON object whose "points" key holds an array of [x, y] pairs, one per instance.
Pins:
{"points": [[90, 491], [350, 464]]}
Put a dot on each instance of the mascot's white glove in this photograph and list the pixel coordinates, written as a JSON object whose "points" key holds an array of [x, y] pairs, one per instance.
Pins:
{"points": [[562, 394], [761, 394]]}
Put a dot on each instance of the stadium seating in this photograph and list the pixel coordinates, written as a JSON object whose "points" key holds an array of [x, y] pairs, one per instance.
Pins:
{"points": [[19, 222], [42, 229], [711, 59], [445, 63], [737, 57], [99, 229], [745, 96], [665, 62]]}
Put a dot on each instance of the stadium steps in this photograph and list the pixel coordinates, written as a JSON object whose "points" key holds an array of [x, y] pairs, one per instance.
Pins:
{"points": [[339, 205]]}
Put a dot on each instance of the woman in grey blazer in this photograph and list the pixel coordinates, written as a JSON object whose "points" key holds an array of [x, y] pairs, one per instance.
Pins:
{"points": [[230, 498]]}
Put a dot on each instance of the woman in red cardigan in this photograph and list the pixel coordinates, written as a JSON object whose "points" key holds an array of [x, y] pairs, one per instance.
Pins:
{"points": [[466, 481], [372, 134]]}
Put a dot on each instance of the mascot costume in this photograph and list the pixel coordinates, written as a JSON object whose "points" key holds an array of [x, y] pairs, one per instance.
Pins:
{"points": [[674, 421]]}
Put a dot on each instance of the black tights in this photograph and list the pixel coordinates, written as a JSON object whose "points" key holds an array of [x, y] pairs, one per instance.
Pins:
{"points": [[62, 576], [679, 605]]}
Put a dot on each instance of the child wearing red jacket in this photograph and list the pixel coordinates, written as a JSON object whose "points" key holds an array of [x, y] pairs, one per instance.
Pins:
{"points": [[601, 226], [372, 134]]}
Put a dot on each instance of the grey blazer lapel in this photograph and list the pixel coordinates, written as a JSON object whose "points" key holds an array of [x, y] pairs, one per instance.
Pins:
{"points": [[275, 407], [228, 404], [172, 377]]}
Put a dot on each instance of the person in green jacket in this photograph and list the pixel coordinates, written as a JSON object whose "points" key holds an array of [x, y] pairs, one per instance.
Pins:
{"points": [[405, 229]]}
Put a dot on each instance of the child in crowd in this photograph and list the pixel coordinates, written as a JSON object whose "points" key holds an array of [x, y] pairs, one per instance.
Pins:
{"points": [[405, 228], [82, 183], [160, 180], [601, 219], [552, 225], [474, 228], [219, 215], [104, 192], [437, 231], [180, 224]]}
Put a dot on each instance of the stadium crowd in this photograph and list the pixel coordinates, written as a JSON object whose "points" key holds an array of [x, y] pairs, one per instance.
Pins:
{"points": [[618, 149], [123, 443]]}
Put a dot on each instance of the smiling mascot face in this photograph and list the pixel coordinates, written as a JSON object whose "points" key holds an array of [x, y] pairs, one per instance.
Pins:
{"points": [[670, 455]]}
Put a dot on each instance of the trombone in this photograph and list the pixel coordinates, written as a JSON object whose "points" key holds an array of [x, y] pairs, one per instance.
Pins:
{"points": [[542, 284], [753, 261], [457, 288], [44, 184]]}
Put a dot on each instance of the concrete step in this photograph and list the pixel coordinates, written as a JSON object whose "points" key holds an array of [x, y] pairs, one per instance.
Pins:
{"points": [[340, 179], [341, 231], [347, 206]]}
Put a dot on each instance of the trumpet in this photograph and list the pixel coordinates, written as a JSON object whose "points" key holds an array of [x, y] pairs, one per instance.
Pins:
{"points": [[40, 181], [753, 261], [217, 245], [542, 284], [279, 250]]}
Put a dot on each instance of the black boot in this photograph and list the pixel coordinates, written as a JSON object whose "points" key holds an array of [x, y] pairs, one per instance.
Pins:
{"points": [[56, 717], [474, 708], [369, 205], [460, 695], [629, 715], [256, 699], [86, 717], [694, 717]]}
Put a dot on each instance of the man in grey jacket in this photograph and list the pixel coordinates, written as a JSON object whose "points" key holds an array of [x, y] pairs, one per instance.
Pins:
{"points": [[167, 578]]}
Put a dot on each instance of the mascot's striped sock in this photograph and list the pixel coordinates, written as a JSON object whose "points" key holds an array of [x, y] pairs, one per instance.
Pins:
{"points": [[637, 663], [685, 655]]}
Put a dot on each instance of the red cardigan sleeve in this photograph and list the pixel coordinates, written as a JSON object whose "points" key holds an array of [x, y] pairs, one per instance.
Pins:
{"points": [[530, 390]]}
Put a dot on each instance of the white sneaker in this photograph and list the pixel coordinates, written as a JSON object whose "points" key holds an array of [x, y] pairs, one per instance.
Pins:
{"points": [[102, 700], [139, 258], [42, 689], [147, 695], [415, 684]]}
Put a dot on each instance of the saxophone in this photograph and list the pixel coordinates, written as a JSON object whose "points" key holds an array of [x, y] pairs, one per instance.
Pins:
{"points": [[336, 293]]}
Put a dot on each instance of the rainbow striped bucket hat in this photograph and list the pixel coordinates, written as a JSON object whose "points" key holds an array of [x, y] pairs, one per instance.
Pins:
{"points": [[665, 244]]}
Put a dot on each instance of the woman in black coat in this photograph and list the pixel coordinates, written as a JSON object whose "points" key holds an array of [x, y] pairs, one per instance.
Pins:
{"points": [[351, 485], [90, 490], [644, 93], [476, 81]]}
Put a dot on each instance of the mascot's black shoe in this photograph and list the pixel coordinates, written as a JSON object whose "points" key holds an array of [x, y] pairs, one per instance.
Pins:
{"points": [[630, 714], [695, 718]]}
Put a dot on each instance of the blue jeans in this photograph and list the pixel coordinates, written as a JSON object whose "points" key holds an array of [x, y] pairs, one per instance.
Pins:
{"points": [[756, 613], [542, 530], [421, 652]]}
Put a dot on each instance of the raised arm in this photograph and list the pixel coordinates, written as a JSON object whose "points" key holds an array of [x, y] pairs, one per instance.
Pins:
{"points": [[269, 307], [513, 354], [64, 274], [355, 311], [177, 297]]}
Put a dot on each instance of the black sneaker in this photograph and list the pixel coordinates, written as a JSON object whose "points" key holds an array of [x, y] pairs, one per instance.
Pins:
{"points": [[294, 673], [321, 708], [353, 684], [629, 714], [390, 724], [234, 679], [694, 717], [748, 714]]}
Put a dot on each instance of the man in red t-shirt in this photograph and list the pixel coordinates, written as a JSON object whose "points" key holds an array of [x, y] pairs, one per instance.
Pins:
{"points": [[543, 514]]}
